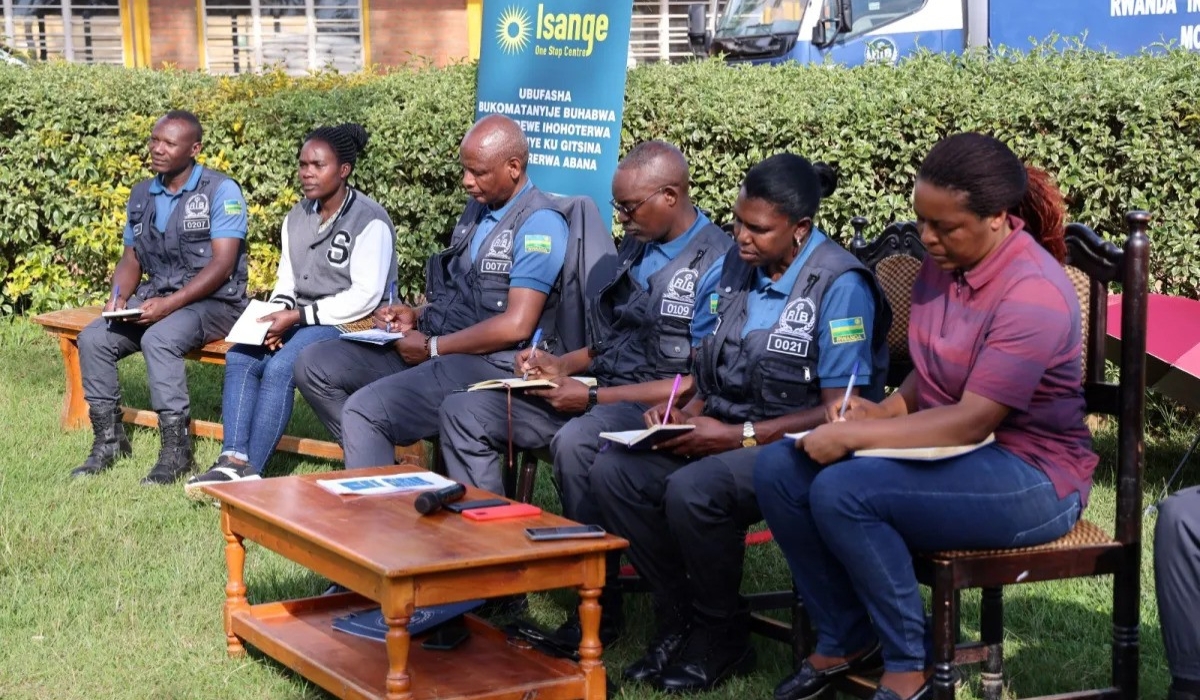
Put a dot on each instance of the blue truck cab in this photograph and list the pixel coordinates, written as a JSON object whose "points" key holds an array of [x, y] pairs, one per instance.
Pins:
{"points": [[854, 32]]}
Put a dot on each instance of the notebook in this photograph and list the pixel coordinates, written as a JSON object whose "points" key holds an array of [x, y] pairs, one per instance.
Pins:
{"points": [[645, 439], [374, 336], [247, 330], [928, 454], [391, 483], [122, 313], [518, 383]]}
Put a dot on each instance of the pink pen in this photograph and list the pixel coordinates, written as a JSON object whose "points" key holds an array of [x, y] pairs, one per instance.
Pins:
{"points": [[671, 400]]}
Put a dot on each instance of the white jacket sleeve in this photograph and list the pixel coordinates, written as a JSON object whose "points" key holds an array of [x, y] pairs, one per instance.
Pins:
{"points": [[285, 282]]}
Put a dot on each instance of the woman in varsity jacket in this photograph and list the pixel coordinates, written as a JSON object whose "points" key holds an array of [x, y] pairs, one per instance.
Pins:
{"points": [[338, 260]]}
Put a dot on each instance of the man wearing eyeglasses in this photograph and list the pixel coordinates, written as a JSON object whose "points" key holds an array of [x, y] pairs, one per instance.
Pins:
{"points": [[643, 333]]}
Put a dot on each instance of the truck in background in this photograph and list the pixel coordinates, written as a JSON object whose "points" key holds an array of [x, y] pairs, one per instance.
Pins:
{"points": [[853, 32]]}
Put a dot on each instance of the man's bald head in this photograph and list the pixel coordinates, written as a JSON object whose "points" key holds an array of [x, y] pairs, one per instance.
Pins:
{"points": [[660, 162], [494, 154], [497, 136]]}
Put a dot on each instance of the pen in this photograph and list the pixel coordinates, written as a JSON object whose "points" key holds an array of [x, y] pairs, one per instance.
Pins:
{"points": [[116, 292], [671, 399], [537, 338], [849, 388], [391, 301]]}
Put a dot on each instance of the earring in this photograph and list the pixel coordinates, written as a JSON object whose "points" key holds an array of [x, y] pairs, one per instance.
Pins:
{"points": [[795, 243]]}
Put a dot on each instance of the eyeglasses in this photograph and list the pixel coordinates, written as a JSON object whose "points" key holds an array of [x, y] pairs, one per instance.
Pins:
{"points": [[627, 212]]}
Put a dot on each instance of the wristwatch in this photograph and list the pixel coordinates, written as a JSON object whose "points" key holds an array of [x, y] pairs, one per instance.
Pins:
{"points": [[748, 439], [593, 397]]}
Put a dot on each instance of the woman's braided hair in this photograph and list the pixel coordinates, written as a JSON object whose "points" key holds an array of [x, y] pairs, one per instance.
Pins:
{"points": [[346, 140], [995, 181]]}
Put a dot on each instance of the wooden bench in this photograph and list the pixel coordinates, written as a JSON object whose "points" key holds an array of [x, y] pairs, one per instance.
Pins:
{"points": [[66, 326]]}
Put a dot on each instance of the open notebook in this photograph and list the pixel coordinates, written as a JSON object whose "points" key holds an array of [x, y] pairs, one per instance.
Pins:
{"points": [[645, 439], [518, 383], [927, 454]]}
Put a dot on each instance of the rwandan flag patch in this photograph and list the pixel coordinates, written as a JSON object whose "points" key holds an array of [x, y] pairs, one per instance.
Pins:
{"points": [[537, 244], [847, 330], [232, 207]]}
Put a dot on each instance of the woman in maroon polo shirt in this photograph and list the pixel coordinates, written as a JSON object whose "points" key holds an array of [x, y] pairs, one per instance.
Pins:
{"points": [[997, 349]]}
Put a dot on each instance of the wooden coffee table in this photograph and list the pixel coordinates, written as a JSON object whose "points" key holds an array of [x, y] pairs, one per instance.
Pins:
{"points": [[390, 556]]}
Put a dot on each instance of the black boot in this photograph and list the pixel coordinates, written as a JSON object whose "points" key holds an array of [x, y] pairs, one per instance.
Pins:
{"points": [[175, 455], [716, 650], [612, 620], [673, 621], [109, 441]]}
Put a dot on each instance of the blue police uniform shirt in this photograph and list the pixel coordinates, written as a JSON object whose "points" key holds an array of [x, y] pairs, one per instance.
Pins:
{"points": [[848, 298], [535, 269], [228, 211], [656, 256]]}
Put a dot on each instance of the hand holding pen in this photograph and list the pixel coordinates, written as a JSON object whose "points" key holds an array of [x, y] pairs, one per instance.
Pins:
{"points": [[537, 338]]}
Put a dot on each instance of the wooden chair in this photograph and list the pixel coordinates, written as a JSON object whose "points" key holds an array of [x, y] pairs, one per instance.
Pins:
{"points": [[895, 258], [1087, 550]]}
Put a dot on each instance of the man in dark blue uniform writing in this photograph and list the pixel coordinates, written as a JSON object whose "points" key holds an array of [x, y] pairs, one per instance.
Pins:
{"points": [[485, 295], [184, 268]]}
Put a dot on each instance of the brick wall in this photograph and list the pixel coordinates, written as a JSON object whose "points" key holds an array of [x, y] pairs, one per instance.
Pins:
{"points": [[173, 33], [433, 29]]}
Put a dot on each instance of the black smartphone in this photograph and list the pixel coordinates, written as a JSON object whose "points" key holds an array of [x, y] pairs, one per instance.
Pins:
{"points": [[567, 532], [446, 637], [460, 506]]}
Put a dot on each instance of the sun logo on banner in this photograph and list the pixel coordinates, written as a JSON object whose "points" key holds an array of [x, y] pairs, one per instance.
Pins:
{"points": [[512, 32]]}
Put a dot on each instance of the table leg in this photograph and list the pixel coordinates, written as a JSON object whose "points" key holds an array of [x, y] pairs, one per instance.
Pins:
{"points": [[74, 409], [589, 643], [235, 588], [398, 683]]}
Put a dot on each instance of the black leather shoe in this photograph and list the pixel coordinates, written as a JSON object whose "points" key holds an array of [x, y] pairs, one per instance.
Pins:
{"points": [[660, 652], [716, 650], [925, 692], [807, 682], [612, 621]]}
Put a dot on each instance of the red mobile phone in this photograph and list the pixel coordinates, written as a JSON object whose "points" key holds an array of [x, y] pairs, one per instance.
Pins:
{"points": [[515, 510]]}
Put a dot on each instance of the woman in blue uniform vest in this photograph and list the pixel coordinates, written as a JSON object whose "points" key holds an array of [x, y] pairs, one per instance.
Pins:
{"points": [[338, 258], [795, 314]]}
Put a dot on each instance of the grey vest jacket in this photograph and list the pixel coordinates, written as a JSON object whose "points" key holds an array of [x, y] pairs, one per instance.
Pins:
{"points": [[321, 261], [647, 330], [460, 292], [773, 372], [172, 252]]}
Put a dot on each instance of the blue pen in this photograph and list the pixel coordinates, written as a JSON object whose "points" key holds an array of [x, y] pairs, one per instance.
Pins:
{"points": [[391, 300], [537, 338], [849, 388]]}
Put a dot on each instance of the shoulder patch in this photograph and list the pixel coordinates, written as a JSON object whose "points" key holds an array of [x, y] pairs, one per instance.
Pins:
{"points": [[713, 300], [537, 243], [232, 207], [847, 330]]}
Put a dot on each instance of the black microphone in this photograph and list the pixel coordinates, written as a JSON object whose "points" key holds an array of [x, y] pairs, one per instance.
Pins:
{"points": [[432, 501]]}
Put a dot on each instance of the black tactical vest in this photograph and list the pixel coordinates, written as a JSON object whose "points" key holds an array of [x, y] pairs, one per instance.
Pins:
{"points": [[645, 332], [460, 292], [772, 372], [171, 253]]}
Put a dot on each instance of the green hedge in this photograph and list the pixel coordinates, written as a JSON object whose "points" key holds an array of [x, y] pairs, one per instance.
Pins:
{"points": [[1118, 133]]}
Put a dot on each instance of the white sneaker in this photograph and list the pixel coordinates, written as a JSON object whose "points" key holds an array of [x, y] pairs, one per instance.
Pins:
{"points": [[223, 471]]}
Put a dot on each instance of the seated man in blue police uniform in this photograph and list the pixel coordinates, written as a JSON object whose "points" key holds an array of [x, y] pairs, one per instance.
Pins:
{"points": [[184, 267], [642, 333], [485, 296]]}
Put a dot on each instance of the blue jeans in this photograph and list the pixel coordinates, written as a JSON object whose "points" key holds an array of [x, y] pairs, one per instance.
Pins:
{"points": [[259, 392], [847, 531]]}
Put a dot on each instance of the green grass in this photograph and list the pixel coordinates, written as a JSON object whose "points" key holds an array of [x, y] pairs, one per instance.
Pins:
{"points": [[109, 589]]}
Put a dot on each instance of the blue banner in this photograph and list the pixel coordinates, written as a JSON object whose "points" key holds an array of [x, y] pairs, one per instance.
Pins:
{"points": [[557, 67]]}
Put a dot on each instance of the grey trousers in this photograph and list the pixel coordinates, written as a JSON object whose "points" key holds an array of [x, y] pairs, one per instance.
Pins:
{"points": [[403, 408], [163, 344], [474, 437], [685, 521], [1177, 581], [329, 372]]}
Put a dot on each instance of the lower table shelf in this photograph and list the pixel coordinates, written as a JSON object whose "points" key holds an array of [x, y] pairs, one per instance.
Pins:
{"points": [[300, 635]]}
